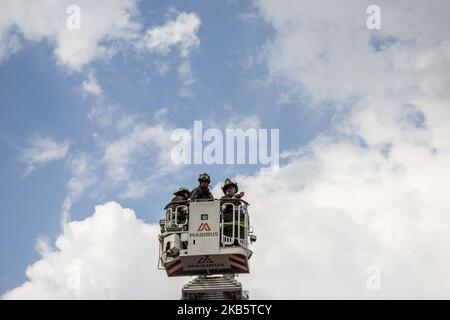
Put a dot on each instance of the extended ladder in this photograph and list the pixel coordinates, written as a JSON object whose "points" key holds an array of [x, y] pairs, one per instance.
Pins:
{"points": [[225, 287]]}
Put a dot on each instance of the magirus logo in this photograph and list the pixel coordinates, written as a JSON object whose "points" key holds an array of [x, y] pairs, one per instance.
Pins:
{"points": [[204, 259], [204, 227], [203, 234], [206, 262]]}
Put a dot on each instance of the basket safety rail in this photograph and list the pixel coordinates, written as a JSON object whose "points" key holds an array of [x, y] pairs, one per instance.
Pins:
{"points": [[237, 211], [172, 217]]}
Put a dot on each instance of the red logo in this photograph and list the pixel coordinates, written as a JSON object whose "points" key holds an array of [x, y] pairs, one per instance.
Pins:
{"points": [[204, 259], [204, 227]]}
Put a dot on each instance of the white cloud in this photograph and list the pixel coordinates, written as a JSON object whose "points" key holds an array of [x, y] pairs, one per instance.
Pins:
{"points": [[321, 221], [109, 255], [244, 122], [180, 32], [124, 158], [160, 114], [371, 190], [102, 27], [83, 175], [339, 208], [91, 86], [42, 150], [162, 67], [284, 98], [326, 54], [102, 115], [186, 78], [9, 44], [131, 157], [104, 31]]}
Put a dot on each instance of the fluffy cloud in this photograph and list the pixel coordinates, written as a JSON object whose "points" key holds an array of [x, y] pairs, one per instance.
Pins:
{"points": [[337, 209], [42, 150], [104, 30], [141, 143], [83, 175], [371, 190], [100, 29], [244, 123], [331, 55], [91, 85], [130, 158], [180, 32], [109, 255], [186, 78]]}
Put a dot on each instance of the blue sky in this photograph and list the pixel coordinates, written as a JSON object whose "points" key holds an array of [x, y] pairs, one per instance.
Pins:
{"points": [[40, 97], [86, 117]]}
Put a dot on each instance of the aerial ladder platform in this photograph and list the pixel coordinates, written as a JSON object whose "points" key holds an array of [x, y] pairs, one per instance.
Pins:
{"points": [[210, 240]]}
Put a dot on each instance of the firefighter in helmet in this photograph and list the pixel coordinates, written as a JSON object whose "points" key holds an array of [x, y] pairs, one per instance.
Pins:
{"points": [[230, 189], [202, 190], [231, 196], [181, 198]]}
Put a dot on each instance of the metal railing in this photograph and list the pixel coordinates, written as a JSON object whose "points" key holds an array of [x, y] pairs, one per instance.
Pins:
{"points": [[173, 218], [239, 220]]}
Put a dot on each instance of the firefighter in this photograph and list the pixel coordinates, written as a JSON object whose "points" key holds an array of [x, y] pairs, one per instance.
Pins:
{"points": [[181, 198], [231, 195], [202, 190], [230, 189]]}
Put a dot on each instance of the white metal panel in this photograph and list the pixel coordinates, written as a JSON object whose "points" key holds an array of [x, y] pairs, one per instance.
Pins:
{"points": [[204, 229]]}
